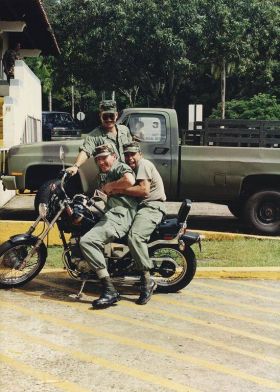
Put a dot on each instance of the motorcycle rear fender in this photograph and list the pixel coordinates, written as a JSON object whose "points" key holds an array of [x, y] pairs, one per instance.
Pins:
{"points": [[190, 238]]}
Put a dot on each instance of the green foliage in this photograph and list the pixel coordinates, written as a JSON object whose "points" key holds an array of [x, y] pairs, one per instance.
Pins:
{"points": [[259, 107], [151, 52], [43, 69]]}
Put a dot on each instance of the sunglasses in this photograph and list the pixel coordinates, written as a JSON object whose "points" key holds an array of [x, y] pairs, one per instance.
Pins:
{"points": [[108, 116]]}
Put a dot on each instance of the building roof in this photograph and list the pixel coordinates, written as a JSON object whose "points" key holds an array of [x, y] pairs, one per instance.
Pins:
{"points": [[38, 33]]}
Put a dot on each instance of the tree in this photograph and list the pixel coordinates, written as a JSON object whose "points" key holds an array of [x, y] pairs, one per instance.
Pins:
{"points": [[125, 44], [259, 107], [237, 35]]}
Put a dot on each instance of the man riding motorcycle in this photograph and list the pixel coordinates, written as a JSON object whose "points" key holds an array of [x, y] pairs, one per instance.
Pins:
{"points": [[116, 222]]}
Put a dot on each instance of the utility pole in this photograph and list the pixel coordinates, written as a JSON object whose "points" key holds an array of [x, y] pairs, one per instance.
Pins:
{"points": [[73, 101]]}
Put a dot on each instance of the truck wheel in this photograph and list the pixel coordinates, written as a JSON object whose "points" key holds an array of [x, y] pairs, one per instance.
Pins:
{"points": [[262, 212], [236, 209]]}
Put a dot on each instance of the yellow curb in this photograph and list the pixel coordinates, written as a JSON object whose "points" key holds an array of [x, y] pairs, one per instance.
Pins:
{"points": [[10, 228], [219, 235], [212, 274]]}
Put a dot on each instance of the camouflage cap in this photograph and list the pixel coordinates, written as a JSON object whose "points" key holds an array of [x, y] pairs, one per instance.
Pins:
{"points": [[108, 106], [132, 147], [103, 150]]}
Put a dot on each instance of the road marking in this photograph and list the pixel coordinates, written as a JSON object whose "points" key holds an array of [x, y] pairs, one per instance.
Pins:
{"points": [[186, 318], [42, 376], [215, 299], [145, 346], [217, 312], [145, 324], [93, 359], [239, 292], [254, 285]]}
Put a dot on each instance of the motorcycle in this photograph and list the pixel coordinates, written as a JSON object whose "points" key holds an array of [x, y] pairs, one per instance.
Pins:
{"points": [[23, 256]]}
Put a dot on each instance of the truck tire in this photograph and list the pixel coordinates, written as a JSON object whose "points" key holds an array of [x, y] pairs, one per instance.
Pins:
{"points": [[236, 209], [262, 212]]}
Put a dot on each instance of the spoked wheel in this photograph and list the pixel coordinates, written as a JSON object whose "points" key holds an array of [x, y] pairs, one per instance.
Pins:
{"points": [[20, 262], [174, 269]]}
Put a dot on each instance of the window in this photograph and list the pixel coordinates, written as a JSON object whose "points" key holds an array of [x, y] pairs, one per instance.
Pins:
{"points": [[148, 127]]}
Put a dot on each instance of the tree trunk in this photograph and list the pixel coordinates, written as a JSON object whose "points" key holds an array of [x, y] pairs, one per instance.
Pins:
{"points": [[223, 89]]}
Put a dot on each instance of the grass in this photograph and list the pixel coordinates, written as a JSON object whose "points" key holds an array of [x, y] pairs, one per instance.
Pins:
{"points": [[239, 253], [217, 253]]}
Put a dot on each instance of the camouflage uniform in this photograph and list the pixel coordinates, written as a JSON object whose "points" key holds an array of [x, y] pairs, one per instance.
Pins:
{"points": [[100, 136], [114, 224], [149, 214]]}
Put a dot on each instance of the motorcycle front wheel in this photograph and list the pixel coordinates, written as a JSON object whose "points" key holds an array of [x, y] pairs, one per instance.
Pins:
{"points": [[174, 269], [16, 267]]}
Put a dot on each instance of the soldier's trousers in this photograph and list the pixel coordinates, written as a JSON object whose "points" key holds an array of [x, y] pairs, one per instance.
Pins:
{"points": [[147, 218], [114, 224]]}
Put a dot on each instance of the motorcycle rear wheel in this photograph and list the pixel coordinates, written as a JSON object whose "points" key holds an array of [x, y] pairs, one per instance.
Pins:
{"points": [[182, 268], [14, 271]]}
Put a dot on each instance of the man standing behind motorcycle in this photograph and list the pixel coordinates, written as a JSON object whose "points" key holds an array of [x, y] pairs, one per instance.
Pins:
{"points": [[107, 132], [120, 212], [150, 189]]}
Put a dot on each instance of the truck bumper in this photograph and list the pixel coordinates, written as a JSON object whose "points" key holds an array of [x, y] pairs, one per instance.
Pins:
{"points": [[9, 182]]}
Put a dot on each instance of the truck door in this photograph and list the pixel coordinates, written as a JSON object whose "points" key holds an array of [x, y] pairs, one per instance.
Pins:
{"points": [[152, 130]]}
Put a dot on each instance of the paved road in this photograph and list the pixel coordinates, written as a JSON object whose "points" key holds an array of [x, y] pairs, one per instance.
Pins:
{"points": [[203, 216], [215, 335]]}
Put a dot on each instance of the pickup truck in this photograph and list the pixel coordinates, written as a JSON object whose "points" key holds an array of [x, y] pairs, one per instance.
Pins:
{"points": [[220, 164]]}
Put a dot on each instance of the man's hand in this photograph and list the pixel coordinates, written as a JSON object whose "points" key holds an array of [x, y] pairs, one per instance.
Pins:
{"points": [[107, 188], [72, 170]]}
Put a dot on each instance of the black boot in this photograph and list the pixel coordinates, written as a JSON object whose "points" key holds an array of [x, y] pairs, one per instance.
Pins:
{"points": [[108, 296], [147, 288]]}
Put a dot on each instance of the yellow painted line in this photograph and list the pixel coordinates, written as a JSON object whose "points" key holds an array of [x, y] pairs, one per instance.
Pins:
{"points": [[220, 327], [96, 360], [254, 285], [187, 335], [215, 299], [239, 292], [238, 274], [42, 376], [145, 346], [217, 312], [10, 228]]}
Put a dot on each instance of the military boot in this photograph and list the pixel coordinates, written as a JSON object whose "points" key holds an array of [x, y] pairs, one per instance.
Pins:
{"points": [[147, 287], [109, 294]]}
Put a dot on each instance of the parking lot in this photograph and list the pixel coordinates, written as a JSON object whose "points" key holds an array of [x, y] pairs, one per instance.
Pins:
{"points": [[215, 335]]}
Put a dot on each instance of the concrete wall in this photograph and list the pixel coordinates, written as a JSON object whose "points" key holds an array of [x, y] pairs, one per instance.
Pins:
{"points": [[22, 113], [22, 107]]}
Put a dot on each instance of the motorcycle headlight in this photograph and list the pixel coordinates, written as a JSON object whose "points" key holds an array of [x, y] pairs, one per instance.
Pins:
{"points": [[43, 209]]}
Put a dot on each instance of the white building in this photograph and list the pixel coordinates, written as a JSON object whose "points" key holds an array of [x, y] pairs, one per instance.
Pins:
{"points": [[23, 22]]}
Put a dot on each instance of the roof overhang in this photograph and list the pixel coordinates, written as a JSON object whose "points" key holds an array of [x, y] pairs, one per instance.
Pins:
{"points": [[37, 32]]}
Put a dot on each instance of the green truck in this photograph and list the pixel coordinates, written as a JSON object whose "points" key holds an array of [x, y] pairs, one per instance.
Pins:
{"points": [[231, 163]]}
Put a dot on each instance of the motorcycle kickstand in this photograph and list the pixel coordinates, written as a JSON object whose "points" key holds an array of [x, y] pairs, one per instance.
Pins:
{"points": [[80, 293]]}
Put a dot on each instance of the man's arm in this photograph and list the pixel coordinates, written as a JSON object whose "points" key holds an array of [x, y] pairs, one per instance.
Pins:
{"points": [[141, 189], [126, 181], [81, 158]]}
